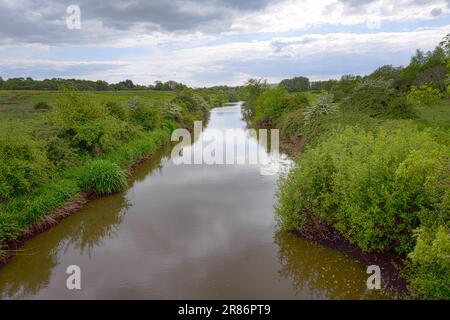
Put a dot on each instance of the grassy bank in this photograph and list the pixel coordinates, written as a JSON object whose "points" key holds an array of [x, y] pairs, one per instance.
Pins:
{"points": [[375, 168], [56, 145]]}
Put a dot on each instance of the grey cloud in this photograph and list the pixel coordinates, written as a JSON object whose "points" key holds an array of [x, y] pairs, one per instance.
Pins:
{"points": [[43, 21], [436, 12]]}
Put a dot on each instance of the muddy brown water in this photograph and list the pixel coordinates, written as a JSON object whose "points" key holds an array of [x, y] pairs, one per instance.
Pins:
{"points": [[184, 232]]}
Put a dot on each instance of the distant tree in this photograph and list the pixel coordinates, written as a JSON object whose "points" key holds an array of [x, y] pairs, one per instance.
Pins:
{"points": [[101, 85], [1, 82], [297, 84], [387, 73]]}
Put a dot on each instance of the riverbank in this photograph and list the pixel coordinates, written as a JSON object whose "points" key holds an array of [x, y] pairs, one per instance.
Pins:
{"points": [[374, 171], [68, 147]]}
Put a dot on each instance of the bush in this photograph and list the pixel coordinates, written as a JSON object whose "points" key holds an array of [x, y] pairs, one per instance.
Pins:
{"points": [[103, 177], [324, 106], [88, 125], [59, 153], [424, 95], [22, 165], [118, 111], [42, 106], [146, 116], [378, 99], [430, 269], [374, 188]]}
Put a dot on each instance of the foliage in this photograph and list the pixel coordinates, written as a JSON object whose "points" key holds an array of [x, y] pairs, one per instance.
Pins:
{"points": [[88, 124], [424, 95], [377, 98], [118, 111], [374, 188], [271, 104], [297, 84], [147, 116], [103, 177], [324, 106], [23, 165], [430, 269]]}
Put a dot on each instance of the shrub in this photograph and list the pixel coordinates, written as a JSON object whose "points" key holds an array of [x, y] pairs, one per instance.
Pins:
{"points": [[424, 95], [42, 106], [378, 99], [374, 188], [103, 177], [88, 125], [430, 270], [118, 111], [147, 116], [324, 106], [59, 153], [22, 165], [191, 102], [291, 123]]}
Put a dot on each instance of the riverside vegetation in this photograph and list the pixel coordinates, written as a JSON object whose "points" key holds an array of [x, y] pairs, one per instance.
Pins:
{"points": [[55, 145], [375, 166]]}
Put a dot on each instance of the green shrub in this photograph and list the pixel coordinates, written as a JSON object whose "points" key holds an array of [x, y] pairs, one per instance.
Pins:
{"points": [[60, 153], [118, 111], [103, 177], [323, 106], [147, 116], [374, 188], [424, 95], [378, 99], [88, 125], [23, 165], [291, 123], [42, 106], [430, 269]]}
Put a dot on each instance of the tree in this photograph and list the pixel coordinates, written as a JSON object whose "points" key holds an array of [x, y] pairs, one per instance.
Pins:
{"points": [[1, 82], [296, 84]]}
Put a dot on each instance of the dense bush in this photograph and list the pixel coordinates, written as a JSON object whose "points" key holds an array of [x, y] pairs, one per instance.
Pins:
{"points": [[42, 106], [424, 95], [296, 84], [60, 153], [377, 98], [430, 269], [323, 106], [118, 111], [23, 165], [148, 117], [271, 104], [375, 189], [88, 125], [103, 177]]}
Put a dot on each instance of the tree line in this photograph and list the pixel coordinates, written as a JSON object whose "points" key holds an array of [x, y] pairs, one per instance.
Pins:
{"points": [[28, 83]]}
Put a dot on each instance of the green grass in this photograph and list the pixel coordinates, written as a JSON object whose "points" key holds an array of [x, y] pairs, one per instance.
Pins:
{"points": [[435, 115]]}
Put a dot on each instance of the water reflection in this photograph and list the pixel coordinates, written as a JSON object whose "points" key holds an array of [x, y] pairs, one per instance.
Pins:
{"points": [[31, 270], [321, 272]]}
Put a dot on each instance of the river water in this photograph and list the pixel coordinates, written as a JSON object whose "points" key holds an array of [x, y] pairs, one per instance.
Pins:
{"points": [[185, 231]]}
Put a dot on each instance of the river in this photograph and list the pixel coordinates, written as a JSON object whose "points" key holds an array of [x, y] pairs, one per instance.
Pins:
{"points": [[184, 231]]}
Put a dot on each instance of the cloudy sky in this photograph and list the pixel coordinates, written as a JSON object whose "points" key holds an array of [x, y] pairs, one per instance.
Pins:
{"points": [[203, 42]]}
